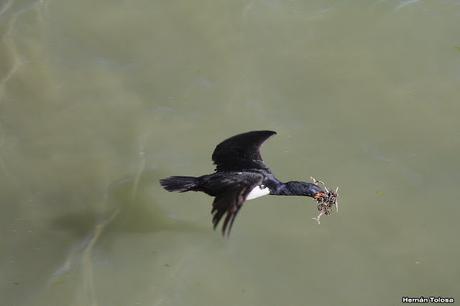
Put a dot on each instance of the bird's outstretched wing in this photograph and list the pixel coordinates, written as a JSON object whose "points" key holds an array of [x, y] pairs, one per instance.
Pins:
{"points": [[229, 203], [241, 152]]}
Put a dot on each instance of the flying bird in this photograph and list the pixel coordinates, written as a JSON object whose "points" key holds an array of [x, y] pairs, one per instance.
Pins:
{"points": [[242, 175]]}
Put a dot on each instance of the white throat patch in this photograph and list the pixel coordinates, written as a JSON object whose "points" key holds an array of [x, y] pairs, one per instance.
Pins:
{"points": [[258, 192]]}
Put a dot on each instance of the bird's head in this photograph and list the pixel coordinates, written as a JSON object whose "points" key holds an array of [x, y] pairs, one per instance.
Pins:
{"points": [[316, 190]]}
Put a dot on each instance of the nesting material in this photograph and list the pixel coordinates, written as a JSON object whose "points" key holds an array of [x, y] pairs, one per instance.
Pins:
{"points": [[326, 200]]}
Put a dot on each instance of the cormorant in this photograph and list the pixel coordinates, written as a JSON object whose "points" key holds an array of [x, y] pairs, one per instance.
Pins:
{"points": [[241, 175]]}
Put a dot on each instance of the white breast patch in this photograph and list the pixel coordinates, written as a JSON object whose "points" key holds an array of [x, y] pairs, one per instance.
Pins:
{"points": [[258, 192]]}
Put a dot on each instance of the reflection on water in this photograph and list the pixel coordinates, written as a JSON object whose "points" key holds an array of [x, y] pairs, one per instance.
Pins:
{"points": [[100, 99]]}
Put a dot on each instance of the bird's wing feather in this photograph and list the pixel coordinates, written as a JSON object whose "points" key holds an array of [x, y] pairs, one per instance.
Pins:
{"points": [[229, 203], [241, 151]]}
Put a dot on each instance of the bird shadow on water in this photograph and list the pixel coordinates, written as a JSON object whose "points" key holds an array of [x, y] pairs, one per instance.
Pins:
{"points": [[129, 208]]}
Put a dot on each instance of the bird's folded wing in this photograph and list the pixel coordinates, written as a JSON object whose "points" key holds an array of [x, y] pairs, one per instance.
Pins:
{"points": [[241, 151]]}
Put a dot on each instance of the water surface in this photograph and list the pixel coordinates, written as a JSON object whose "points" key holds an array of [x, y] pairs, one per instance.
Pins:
{"points": [[100, 99]]}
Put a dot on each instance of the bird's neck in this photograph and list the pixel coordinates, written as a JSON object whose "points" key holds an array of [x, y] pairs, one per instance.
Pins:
{"points": [[296, 188]]}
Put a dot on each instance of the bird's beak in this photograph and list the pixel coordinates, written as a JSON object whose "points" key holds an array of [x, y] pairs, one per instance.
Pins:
{"points": [[319, 195]]}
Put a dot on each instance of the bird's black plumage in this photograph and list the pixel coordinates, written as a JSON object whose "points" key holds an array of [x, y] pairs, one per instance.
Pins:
{"points": [[239, 169], [241, 152], [230, 201]]}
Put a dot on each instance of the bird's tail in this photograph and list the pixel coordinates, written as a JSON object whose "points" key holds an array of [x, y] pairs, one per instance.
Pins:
{"points": [[179, 183]]}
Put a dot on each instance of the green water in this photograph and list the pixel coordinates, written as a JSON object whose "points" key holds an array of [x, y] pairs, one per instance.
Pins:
{"points": [[100, 99]]}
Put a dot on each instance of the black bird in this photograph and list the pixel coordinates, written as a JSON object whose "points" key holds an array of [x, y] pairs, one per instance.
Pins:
{"points": [[241, 175]]}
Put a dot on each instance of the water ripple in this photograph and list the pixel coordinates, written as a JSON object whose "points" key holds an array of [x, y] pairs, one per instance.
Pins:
{"points": [[12, 13]]}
